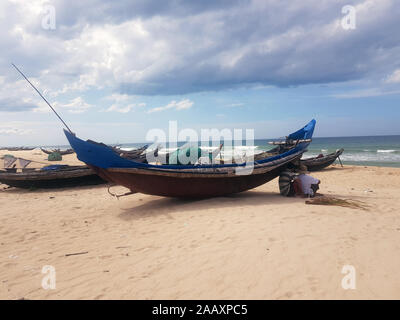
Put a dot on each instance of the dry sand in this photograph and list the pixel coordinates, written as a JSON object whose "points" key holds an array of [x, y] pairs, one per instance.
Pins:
{"points": [[253, 245]]}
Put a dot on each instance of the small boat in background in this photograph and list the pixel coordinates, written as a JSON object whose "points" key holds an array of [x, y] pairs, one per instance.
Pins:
{"points": [[18, 148], [320, 162], [313, 164], [61, 152], [53, 176]]}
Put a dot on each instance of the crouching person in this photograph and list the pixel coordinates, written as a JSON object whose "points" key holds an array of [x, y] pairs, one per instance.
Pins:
{"points": [[308, 184], [296, 182]]}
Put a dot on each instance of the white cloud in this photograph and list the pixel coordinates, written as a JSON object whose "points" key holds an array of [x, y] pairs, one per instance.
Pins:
{"points": [[394, 77], [234, 105], [15, 131], [118, 97], [18, 96], [15, 128], [76, 105], [180, 105], [121, 109], [121, 103], [144, 47]]}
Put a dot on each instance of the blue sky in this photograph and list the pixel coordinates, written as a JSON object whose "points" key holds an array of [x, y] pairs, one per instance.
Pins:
{"points": [[114, 70]]}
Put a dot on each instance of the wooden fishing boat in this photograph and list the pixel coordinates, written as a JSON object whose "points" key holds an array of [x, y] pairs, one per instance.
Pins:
{"points": [[18, 148], [62, 152], [191, 181], [321, 162], [313, 163], [57, 176]]}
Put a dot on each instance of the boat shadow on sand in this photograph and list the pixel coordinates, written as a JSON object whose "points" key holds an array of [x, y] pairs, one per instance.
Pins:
{"points": [[155, 206]]}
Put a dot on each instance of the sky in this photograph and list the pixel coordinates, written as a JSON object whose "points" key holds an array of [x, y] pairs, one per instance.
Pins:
{"points": [[116, 69]]}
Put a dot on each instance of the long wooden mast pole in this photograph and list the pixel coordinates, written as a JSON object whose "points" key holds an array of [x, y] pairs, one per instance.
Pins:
{"points": [[42, 97]]}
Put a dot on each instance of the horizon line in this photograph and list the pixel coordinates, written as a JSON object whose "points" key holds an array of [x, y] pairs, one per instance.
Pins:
{"points": [[119, 143]]}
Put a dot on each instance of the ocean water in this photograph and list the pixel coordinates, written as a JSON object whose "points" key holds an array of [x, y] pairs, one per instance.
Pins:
{"points": [[381, 151], [368, 151]]}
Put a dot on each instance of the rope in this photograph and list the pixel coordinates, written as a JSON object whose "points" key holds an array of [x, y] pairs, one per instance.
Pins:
{"points": [[340, 161]]}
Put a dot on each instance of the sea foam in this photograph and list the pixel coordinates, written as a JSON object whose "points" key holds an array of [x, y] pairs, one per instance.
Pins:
{"points": [[386, 151]]}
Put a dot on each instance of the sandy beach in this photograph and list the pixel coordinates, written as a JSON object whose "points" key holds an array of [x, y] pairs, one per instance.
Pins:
{"points": [[253, 245]]}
